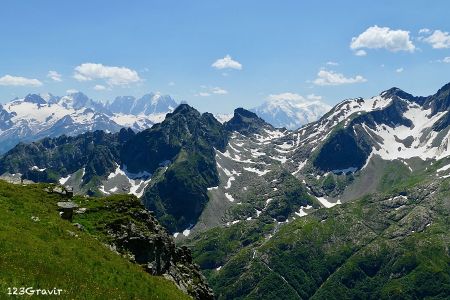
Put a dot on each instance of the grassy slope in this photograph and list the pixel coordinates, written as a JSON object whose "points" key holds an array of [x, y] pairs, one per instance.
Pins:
{"points": [[46, 254]]}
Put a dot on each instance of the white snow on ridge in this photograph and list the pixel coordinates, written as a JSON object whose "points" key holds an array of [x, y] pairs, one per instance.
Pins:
{"points": [[230, 179], [229, 197], [444, 168], [102, 189], [36, 168], [260, 173], [300, 167], [63, 180], [422, 146], [138, 181], [327, 203], [301, 212]]}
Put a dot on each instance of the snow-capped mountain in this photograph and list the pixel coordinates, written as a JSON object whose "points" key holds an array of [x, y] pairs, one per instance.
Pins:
{"points": [[148, 104], [291, 113], [37, 116]]}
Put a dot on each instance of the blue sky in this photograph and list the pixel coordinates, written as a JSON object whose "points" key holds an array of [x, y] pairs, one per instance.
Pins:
{"points": [[111, 48]]}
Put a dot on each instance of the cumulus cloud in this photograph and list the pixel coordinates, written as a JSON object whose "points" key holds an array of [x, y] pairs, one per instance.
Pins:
{"points": [[325, 77], [9, 80], [446, 60], [424, 30], [227, 63], [203, 94], [99, 87], [399, 70], [55, 76], [112, 75], [71, 91], [438, 39], [332, 63], [383, 38]]}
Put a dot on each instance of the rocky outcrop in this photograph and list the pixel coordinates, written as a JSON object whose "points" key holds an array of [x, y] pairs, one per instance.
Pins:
{"points": [[127, 228], [154, 249]]}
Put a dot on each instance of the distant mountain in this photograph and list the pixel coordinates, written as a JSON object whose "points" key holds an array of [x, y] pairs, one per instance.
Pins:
{"points": [[291, 113], [148, 104], [37, 116]]}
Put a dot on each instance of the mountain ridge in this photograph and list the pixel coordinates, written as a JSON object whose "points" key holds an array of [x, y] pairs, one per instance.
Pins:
{"points": [[36, 116]]}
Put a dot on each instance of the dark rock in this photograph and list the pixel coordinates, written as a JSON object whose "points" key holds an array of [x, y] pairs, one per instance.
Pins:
{"points": [[66, 209]]}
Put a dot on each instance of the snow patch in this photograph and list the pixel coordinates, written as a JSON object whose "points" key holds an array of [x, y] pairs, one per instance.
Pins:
{"points": [[327, 203]]}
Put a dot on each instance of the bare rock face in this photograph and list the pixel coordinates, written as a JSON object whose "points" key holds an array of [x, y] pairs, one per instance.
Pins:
{"points": [[153, 248]]}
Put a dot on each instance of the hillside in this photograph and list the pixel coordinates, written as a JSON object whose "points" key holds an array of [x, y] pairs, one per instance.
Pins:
{"points": [[40, 249], [389, 245]]}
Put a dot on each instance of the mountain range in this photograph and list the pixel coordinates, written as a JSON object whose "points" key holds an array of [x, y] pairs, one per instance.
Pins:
{"points": [[37, 116], [353, 205]]}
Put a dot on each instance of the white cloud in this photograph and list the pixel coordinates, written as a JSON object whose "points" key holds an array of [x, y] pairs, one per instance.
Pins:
{"points": [[71, 91], [399, 70], [112, 75], [227, 63], [325, 77], [332, 63], [211, 91], [361, 52], [424, 31], [446, 60], [99, 87], [383, 38], [219, 91], [55, 76], [9, 80], [171, 83], [438, 39]]}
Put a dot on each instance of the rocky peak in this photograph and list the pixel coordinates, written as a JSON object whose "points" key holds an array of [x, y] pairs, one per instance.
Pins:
{"points": [[34, 98], [184, 110], [246, 122], [440, 101], [397, 93]]}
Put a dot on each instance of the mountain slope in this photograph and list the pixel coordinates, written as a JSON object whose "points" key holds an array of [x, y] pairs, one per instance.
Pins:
{"points": [[383, 246], [53, 253]]}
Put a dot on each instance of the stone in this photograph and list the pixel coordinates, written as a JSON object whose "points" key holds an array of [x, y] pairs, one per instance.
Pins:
{"points": [[66, 209]]}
